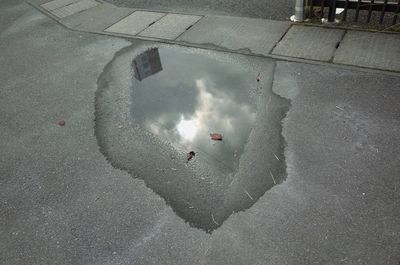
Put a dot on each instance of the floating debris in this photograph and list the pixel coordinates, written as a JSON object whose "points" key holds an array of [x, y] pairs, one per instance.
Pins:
{"points": [[190, 155], [248, 194], [216, 136], [215, 222], [272, 176], [342, 109], [276, 156], [258, 78]]}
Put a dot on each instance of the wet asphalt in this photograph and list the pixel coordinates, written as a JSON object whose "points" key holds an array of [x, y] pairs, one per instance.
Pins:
{"points": [[173, 101], [65, 200]]}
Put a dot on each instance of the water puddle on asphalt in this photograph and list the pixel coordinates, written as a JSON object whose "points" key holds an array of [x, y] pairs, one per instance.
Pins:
{"points": [[154, 105], [183, 105]]}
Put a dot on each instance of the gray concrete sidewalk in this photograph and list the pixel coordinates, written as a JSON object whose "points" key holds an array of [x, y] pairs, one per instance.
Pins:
{"points": [[244, 35]]}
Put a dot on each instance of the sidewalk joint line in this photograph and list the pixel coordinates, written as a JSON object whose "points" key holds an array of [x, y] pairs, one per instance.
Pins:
{"points": [[281, 38], [119, 20], [152, 23], [191, 26], [337, 46]]}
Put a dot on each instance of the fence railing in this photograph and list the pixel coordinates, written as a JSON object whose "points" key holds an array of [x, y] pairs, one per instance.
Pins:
{"points": [[381, 6]]}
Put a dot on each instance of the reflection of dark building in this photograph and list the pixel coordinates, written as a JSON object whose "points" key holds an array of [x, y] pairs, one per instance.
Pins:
{"points": [[147, 64]]}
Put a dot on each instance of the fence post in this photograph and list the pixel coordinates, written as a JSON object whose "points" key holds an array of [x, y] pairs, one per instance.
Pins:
{"points": [[332, 11], [298, 11]]}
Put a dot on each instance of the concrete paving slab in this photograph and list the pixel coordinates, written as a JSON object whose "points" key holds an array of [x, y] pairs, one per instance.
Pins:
{"points": [[170, 26], [235, 33], [74, 8], [313, 43], [135, 23], [375, 50], [52, 5], [97, 18]]}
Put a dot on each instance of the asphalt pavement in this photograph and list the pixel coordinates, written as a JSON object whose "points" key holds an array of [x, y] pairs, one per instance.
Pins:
{"points": [[269, 9], [64, 201]]}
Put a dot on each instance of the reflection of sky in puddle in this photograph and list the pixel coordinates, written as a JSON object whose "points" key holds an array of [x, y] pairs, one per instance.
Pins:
{"points": [[195, 95]]}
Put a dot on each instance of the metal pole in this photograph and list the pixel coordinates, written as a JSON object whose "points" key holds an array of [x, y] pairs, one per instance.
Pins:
{"points": [[332, 11], [298, 11]]}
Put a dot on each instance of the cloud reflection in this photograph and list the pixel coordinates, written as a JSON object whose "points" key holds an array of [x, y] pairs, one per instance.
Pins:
{"points": [[185, 111]]}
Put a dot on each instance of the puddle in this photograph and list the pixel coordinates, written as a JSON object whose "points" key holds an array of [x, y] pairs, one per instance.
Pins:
{"points": [[154, 105], [184, 105]]}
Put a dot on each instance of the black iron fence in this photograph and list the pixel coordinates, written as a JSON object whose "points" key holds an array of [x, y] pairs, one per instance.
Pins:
{"points": [[369, 6]]}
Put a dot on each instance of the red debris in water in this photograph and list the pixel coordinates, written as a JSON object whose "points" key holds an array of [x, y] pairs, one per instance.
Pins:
{"points": [[61, 122], [190, 155], [258, 78], [216, 136]]}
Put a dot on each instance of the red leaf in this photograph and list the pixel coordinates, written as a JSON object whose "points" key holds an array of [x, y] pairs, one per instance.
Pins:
{"points": [[216, 136], [190, 155], [61, 122]]}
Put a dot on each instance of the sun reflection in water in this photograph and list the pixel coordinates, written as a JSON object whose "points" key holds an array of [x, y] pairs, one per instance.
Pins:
{"points": [[187, 129]]}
